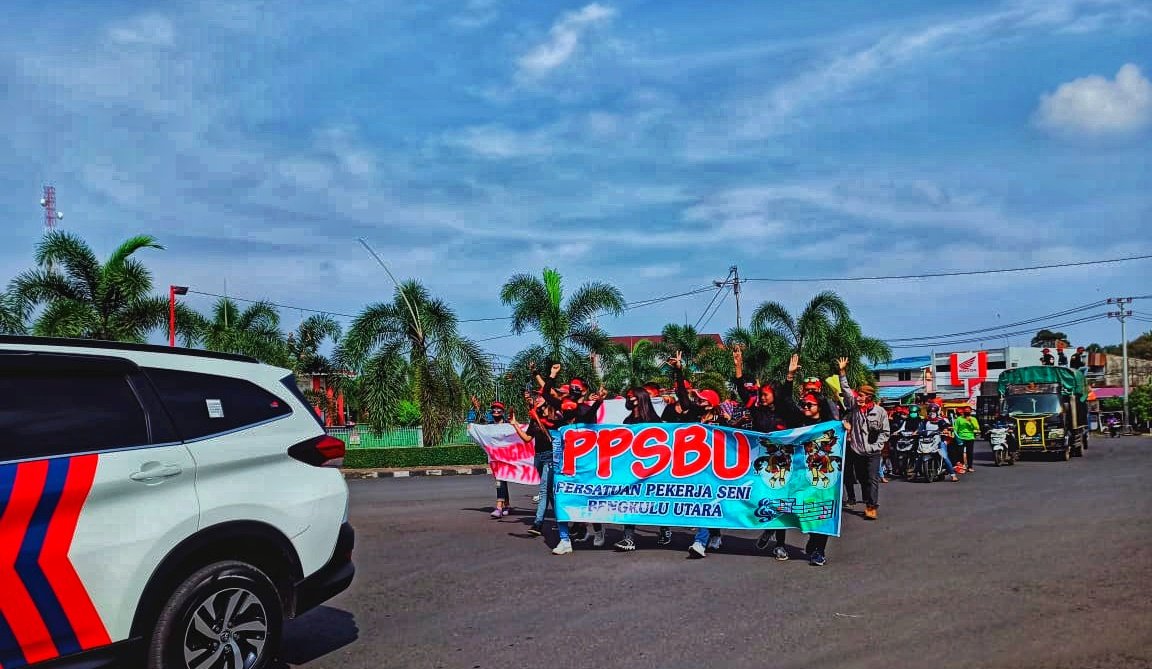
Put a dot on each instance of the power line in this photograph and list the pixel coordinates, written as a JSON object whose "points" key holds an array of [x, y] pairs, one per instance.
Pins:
{"points": [[707, 307], [1030, 321], [271, 304], [945, 344], [714, 311], [936, 275]]}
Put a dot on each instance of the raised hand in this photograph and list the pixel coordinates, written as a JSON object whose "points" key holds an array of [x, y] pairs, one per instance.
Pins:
{"points": [[738, 354], [676, 360], [555, 369], [842, 363], [794, 363]]}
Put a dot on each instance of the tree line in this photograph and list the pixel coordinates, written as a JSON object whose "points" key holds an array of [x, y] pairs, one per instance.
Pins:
{"points": [[403, 360]]}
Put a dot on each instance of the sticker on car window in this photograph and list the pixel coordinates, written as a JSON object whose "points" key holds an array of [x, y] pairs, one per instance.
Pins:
{"points": [[215, 408]]}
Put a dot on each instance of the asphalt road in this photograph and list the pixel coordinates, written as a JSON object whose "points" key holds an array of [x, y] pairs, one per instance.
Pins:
{"points": [[1046, 564]]}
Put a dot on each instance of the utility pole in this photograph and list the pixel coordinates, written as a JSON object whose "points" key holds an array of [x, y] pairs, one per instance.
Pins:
{"points": [[732, 279], [1122, 316]]}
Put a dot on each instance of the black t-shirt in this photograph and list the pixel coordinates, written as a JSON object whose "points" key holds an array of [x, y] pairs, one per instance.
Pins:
{"points": [[540, 437], [766, 419]]}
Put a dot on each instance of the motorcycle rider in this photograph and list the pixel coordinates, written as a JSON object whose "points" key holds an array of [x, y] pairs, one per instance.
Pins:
{"points": [[935, 424]]}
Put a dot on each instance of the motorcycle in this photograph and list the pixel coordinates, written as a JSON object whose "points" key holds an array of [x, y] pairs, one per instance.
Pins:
{"points": [[904, 452], [1114, 429], [1002, 453], [929, 463]]}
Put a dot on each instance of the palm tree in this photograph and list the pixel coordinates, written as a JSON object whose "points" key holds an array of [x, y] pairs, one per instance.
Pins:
{"points": [[694, 346], [1048, 338], [302, 348], [255, 331], [823, 331], [13, 314], [85, 298], [568, 329], [628, 368], [409, 348], [766, 351]]}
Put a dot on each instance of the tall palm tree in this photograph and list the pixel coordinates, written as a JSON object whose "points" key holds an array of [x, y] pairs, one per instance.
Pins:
{"points": [[13, 314], [822, 332], [568, 330], [255, 331], [628, 368], [766, 352], [409, 348], [82, 297]]}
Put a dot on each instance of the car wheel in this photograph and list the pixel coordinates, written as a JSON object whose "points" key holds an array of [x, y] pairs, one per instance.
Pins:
{"points": [[228, 615]]}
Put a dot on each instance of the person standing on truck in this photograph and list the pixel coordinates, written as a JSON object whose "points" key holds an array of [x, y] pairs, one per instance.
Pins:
{"points": [[1046, 358], [966, 428], [1077, 358]]}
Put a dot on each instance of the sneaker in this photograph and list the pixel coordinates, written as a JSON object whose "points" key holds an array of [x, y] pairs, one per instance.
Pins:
{"points": [[535, 530], [780, 553], [599, 538], [625, 544], [764, 540], [507, 510], [817, 559], [496, 513], [562, 548], [665, 537], [849, 503], [870, 513], [696, 550], [535, 499], [714, 542]]}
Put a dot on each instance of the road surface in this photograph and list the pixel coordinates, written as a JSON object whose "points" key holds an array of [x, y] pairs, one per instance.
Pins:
{"points": [[1046, 564]]}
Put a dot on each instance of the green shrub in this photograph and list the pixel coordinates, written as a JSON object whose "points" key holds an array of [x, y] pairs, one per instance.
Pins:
{"points": [[408, 414], [400, 458]]}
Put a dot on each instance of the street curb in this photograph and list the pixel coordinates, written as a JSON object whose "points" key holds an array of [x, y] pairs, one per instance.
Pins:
{"points": [[358, 474]]}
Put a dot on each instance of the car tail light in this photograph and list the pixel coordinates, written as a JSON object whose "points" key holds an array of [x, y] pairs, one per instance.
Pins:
{"points": [[323, 451]]}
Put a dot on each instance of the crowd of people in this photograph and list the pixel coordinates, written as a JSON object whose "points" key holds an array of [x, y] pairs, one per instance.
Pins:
{"points": [[756, 406]]}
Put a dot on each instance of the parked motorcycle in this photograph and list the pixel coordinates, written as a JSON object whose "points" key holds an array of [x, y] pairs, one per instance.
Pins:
{"points": [[1002, 453]]}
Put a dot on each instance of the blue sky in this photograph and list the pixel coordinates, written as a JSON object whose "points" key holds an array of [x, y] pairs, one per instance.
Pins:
{"points": [[650, 144]]}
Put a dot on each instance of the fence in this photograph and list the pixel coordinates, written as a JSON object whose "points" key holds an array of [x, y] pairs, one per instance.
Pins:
{"points": [[408, 437]]}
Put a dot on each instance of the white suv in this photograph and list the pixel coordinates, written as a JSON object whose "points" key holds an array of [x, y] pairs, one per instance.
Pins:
{"points": [[160, 507]]}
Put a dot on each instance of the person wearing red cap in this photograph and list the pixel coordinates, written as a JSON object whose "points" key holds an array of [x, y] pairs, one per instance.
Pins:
{"points": [[1046, 358], [1077, 358], [495, 416]]}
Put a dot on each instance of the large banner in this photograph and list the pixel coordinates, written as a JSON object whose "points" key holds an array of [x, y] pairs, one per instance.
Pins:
{"points": [[511, 458], [694, 475]]}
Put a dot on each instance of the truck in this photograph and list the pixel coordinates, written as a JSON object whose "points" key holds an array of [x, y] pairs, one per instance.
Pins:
{"points": [[1048, 406]]}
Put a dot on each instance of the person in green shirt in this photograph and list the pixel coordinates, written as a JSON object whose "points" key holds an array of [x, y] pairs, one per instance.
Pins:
{"points": [[966, 429]]}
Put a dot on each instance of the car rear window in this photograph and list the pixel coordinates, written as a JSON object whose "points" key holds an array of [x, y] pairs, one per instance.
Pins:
{"points": [[202, 405], [289, 382]]}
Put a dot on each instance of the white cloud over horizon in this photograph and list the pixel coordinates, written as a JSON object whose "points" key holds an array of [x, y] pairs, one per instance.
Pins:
{"points": [[1098, 106]]}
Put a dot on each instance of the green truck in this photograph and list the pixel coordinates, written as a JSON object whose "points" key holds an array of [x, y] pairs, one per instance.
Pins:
{"points": [[1048, 407]]}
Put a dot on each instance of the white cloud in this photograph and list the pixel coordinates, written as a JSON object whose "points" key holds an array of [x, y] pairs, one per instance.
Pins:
{"points": [[1097, 105], [146, 30], [496, 142], [563, 40]]}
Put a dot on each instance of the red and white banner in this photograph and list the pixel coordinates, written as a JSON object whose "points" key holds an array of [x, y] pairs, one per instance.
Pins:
{"points": [[971, 365], [511, 458]]}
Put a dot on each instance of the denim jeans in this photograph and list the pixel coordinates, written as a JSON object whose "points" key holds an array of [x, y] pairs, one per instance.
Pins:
{"points": [[947, 462], [703, 534], [544, 466]]}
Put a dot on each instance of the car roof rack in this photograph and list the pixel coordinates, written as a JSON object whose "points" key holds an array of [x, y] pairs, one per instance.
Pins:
{"points": [[123, 346]]}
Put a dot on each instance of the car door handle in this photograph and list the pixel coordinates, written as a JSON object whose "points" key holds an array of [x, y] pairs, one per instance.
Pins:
{"points": [[155, 472]]}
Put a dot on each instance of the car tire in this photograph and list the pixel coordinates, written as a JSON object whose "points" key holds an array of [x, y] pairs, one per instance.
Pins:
{"points": [[227, 609]]}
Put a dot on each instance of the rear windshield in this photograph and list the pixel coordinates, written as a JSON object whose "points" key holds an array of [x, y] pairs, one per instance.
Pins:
{"points": [[289, 382]]}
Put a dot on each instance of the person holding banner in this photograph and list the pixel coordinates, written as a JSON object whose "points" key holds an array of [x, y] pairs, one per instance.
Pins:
{"points": [[639, 402], [495, 417], [868, 433]]}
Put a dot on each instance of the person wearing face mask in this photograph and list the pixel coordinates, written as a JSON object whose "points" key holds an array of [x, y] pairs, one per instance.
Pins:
{"points": [[639, 404], [495, 417], [868, 433], [762, 416], [966, 428]]}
